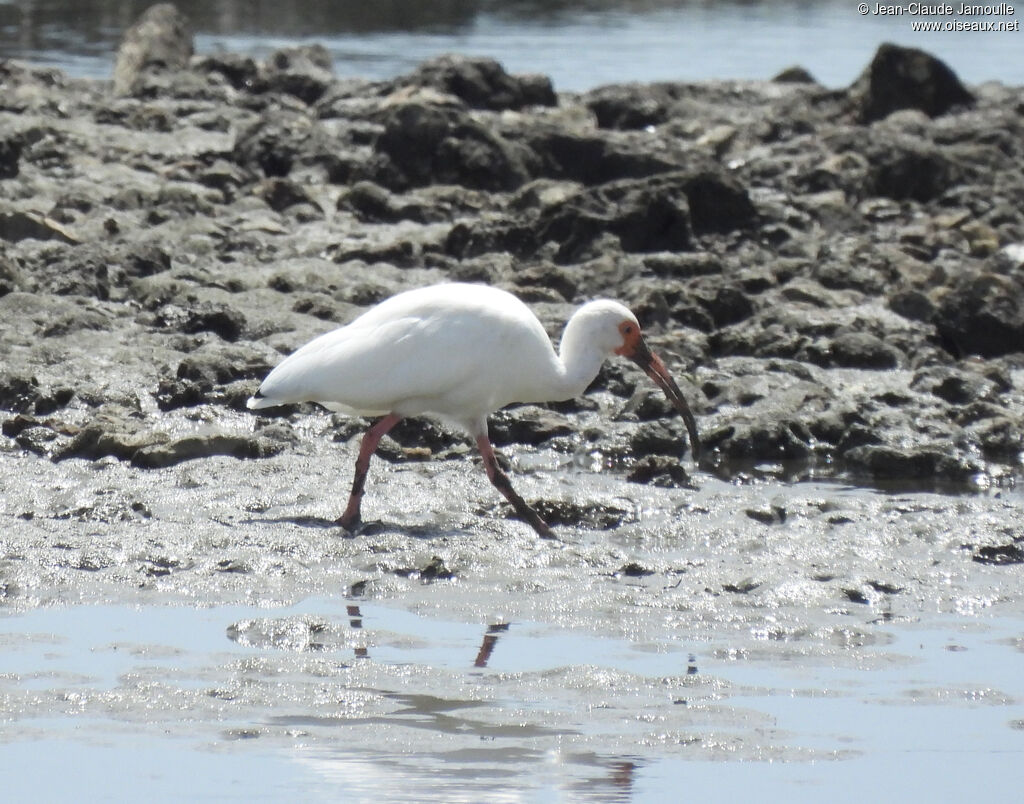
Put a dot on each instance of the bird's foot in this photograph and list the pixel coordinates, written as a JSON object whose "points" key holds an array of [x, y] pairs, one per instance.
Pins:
{"points": [[356, 527], [544, 531], [539, 525], [352, 525]]}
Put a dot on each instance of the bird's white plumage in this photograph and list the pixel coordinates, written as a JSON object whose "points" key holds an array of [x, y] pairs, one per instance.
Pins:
{"points": [[457, 351]]}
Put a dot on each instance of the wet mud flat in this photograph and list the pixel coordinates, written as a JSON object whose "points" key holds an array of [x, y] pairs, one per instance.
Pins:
{"points": [[835, 277], [858, 635]]}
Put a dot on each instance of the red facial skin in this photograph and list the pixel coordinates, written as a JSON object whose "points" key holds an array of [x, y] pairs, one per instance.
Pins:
{"points": [[635, 348]]}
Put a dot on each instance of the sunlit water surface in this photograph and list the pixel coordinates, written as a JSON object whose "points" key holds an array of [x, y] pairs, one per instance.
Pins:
{"points": [[579, 44], [924, 713]]}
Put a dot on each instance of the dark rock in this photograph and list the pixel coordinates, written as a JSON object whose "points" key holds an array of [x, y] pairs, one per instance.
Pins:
{"points": [[975, 411], [760, 440], [219, 366], [718, 202], [658, 470], [744, 587], [862, 350], [857, 596], [857, 435], [527, 425], [10, 153], [11, 278], [172, 394], [50, 401], [36, 439], [794, 75], [553, 277], [628, 106], [233, 565], [18, 393], [403, 253], [317, 306], [592, 158], [17, 226], [893, 463], [160, 39], [838, 275], [91, 270], [273, 143], [420, 432], [364, 294], [885, 588], [597, 516], [646, 215], [999, 554], [110, 433], [912, 304], [648, 404], [143, 260], [907, 78], [1001, 437], [240, 71], [280, 194], [156, 456], [770, 515], [482, 83], [372, 203], [683, 266], [904, 170], [953, 385], [139, 118], [220, 319], [223, 176], [983, 314], [77, 319], [634, 570], [437, 145], [658, 438], [436, 570], [729, 306], [305, 72]]}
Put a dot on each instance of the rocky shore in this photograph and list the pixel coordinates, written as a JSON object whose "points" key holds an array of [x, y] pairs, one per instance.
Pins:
{"points": [[836, 277]]}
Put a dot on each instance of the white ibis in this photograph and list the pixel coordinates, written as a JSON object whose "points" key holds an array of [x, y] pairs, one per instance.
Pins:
{"points": [[458, 352]]}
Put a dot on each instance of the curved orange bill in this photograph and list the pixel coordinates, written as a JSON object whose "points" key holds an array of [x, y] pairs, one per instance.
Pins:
{"points": [[655, 369]]}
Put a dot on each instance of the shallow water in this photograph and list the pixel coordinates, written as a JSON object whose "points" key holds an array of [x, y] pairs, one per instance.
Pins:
{"points": [[232, 703], [579, 44]]}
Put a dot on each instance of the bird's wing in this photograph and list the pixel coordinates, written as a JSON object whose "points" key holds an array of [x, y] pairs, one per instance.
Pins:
{"points": [[375, 363]]}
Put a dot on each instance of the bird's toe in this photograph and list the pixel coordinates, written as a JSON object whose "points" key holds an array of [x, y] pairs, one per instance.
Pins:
{"points": [[350, 525], [358, 527]]}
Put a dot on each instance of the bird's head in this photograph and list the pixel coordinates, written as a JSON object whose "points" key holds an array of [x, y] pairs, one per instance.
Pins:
{"points": [[616, 329]]}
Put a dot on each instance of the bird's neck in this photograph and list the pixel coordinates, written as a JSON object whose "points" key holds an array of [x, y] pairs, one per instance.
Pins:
{"points": [[580, 361]]}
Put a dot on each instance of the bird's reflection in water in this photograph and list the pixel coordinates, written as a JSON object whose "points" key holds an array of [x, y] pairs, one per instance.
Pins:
{"points": [[622, 775], [355, 621], [483, 655], [487, 646], [599, 778]]}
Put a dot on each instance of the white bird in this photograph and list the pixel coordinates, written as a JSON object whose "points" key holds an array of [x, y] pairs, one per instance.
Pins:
{"points": [[458, 352]]}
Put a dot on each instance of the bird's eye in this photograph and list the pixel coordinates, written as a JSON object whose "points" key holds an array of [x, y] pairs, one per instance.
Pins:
{"points": [[627, 330]]}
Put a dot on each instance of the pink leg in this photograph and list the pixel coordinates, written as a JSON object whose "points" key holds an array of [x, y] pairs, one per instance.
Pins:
{"points": [[371, 438], [502, 484]]}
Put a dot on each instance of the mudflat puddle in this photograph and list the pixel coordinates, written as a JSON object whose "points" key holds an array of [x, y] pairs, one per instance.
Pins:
{"points": [[335, 699]]}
